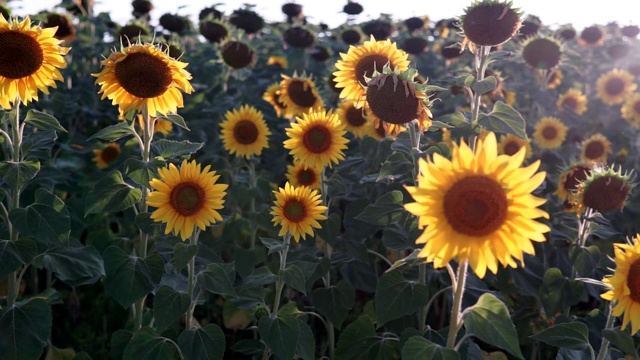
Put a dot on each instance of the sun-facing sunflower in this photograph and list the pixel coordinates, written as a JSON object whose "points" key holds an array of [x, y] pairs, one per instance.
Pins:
{"points": [[297, 210], [595, 149], [30, 61], [511, 144], [244, 131], [354, 119], [362, 61], [625, 284], [317, 139], [298, 175], [478, 207], [631, 110], [186, 197], [107, 155], [299, 94], [573, 99], [615, 86], [272, 96], [550, 133], [570, 180], [142, 75]]}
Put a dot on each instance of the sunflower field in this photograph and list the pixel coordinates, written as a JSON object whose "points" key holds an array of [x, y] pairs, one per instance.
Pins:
{"points": [[413, 188]]}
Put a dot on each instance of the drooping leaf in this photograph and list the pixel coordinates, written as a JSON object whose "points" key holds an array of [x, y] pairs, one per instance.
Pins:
{"points": [[16, 174], [622, 340], [141, 172], [505, 119], [170, 149], [43, 121], [293, 277], [558, 292], [13, 254], [147, 345], [335, 302], [119, 341], [114, 132], [359, 341], [43, 223], [419, 348], [306, 345], [175, 119], [38, 144], [573, 335], [111, 194], [281, 334], [484, 86], [182, 254], [214, 279], [75, 266], [168, 305], [205, 343], [260, 277], [25, 329], [397, 165], [273, 245], [387, 209], [330, 229], [396, 297]]}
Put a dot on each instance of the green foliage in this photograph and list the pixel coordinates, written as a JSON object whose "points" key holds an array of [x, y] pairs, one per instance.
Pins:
{"points": [[206, 343], [420, 348], [573, 336], [168, 305], [111, 194], [335, 302], [396, 297], [504, 118], [24, 330]]}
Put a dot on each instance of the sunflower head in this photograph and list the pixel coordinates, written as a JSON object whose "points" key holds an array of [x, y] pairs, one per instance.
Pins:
{"points": [[237, 54], [279, 61], [379, 29], [244, 132], [615, 86], [141, 7], [630, 31], [174, 23], [570, 180], [354, 119], [351, 36], [595, 149], [415, 45], [132, 33], [490, 22], [142, 75], [272, 96], [317, 139], [299, 37], [352, 8], [530, 27], [297, 210], [415, 23], [66, 31], [542, 52], [321, 53], [186, 198], [210, 12], [107, 155], [510, 145], [574, 100], [215, 31], [246, 19], [451, 51], [30, 61], [567, 33], [550, 133], [592, 36], [618, 50], [478, 207], [605, 189], [298, 175], [299, 94], [631, 110]]}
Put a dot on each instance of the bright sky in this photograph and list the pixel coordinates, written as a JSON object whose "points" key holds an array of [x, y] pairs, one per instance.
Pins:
{"points": [[580, 13]]}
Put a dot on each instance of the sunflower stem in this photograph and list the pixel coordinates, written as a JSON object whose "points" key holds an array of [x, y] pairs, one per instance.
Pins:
{"points": [[455, 323], [252, 204], [481, 63], [328, 250], [583, 233], [13, 286], [604, 347], [191, 268]]}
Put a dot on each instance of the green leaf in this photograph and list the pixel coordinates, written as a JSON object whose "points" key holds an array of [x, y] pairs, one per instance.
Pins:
{"points": [[574, 336], [38, 144], [558, 292], [387, 209], [272, 244], [205, 343], [147, 345], [489, 321], [504, 118], [170, 149], [306, 346], [330, 229], [43, 121], [175, 119], [43, 223], [419, 348], [25, 329], [129, 278], [360, 342], [484, 86], [142, 172], [14, 254], [215, 280], [584, 259], [182, 254], [280, 334], [45, 197], [115, 132], [119, 341], [259, 277], [145, 223], [75, 266], [111, 194], [335, 302], [396, 165], [622, 340], [396, 297], [16, 174], [168, 305], [456, 119], [293, 277]]}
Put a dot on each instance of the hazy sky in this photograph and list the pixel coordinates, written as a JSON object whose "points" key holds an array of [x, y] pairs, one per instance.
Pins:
{"points": [[580, 13]]}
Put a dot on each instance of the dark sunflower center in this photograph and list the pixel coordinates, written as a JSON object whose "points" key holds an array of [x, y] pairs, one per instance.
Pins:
{"points": [[317, 139], [301, 93], [575, 177], [306, 177], [475, 206], [392, 100], [490, 24], [187, 198], [542, 54], [21, 55], [294, 211], [143, 75], [606, 193], [355, 117], [368, 64], [549, 132], [109, 154], [636, 107], [614, 86], [633, 281], [570, 102], [591, 35], [594, 150], [245, 132], [237, 55], [511, 148]]}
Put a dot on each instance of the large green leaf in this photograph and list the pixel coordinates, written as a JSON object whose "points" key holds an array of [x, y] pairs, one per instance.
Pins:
{"points": [[396, 297], [397, 165], [584, 259], [306, 346], [147, 345], [43, 223], [169, 149], [504, 118], [622, 340], [119, 341], [574, 336], [25, 329], [260, 277], [205, 343], [483, 86], [216, 280], [293, 277], [182, 254], [16, 174], [558, 292], [387, 209], [419, 348], [14, 254], [168, 305], [111, 194], [273, 245], [43, 121], [115, 132], [75, 266], [129, 278], [330, 229], [489, 321], [175, 119], [38, 144], [280, 334], [335, 302], [141, 172], [359, 341]]}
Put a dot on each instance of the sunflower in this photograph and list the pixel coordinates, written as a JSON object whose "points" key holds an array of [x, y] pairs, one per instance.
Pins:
{"points": [[542, 52], [186, 197], [354, 119], [625, 284], [143, 75], [298, 175], [31, 57], [511, 144], [605, 189], [362, 61], [570, 180], [595, 149], [299, 94], [615, 86], [376, 128], [478, 207], [631, 110], [550, 133], [553, 79], [272, 96], [592, 36], [317, 139], [279, 61], [297, 210], [107, 155], [244, 131], [573, 99]]}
